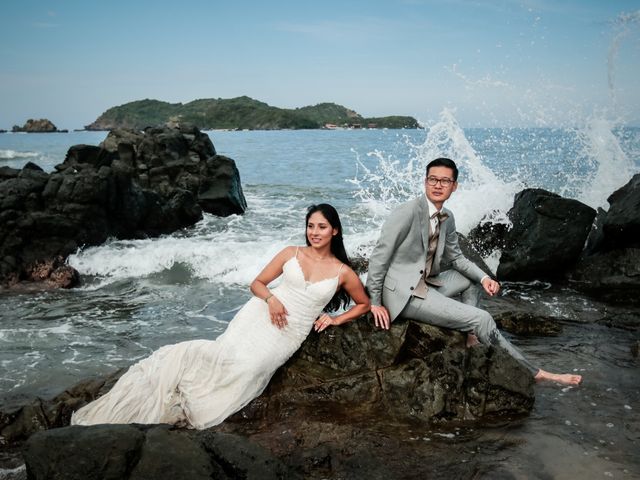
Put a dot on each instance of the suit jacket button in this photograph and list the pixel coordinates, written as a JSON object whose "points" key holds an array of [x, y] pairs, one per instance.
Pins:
{"points": [[421, 272], [410, 288]]}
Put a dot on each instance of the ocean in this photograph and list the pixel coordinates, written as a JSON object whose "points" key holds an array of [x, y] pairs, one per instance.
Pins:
{"points": [[137, 295]]}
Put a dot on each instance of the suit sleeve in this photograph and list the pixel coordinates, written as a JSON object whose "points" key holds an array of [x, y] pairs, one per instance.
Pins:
{"points": [[394, 229], [457, 258]]}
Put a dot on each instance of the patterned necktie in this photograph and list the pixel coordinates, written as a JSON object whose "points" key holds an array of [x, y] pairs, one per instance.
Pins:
{"points": [[440, 217], [433, 245]]}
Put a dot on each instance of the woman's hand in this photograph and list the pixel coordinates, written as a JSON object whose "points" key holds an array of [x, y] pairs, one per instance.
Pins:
{"points": [[323, 322], [277, 312]]}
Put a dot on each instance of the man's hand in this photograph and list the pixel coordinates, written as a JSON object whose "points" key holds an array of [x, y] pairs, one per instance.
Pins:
{"points": [[490, 286], [381, 316]]}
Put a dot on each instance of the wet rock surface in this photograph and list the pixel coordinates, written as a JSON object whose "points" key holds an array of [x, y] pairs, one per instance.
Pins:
{"points": [[546, 238], [610, 264], [144, 452]]}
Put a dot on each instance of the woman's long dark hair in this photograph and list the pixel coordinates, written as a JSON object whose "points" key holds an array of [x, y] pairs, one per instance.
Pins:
{"points": [[341, 298]]}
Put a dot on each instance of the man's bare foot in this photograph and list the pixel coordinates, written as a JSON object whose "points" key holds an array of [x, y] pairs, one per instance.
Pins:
{"points": [[562, 378], [472, 340]]}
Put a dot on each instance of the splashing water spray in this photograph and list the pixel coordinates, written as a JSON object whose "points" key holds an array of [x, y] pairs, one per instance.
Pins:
{"points": [[481, 195]]}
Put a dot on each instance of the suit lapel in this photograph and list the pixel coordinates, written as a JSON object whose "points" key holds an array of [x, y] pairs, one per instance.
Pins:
{"points": [[425, 224]]}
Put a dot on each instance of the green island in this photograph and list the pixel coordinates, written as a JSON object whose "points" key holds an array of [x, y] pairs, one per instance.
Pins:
{"points": [[241, 113]]}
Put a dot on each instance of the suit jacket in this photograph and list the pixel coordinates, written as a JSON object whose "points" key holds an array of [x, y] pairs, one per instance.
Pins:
{"points": [[398, 260]]}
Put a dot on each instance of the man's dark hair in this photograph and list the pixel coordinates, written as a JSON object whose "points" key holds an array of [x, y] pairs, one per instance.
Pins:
{"points": [[444, 162]]}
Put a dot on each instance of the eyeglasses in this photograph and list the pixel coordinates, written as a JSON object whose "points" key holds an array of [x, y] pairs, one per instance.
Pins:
{"points": [[445, 182]]}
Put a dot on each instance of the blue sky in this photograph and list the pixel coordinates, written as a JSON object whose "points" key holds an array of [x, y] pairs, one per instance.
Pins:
{"points": [[497, 63]]}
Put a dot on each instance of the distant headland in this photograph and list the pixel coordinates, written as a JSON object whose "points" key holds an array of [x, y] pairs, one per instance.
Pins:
{"points": [[241, 113]]}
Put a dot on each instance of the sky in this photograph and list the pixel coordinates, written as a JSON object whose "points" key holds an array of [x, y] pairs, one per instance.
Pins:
{"points": [[494, 63]]}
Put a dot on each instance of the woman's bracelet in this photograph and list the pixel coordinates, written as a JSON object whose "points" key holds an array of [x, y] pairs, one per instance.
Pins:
{"points": [[268, 297]]}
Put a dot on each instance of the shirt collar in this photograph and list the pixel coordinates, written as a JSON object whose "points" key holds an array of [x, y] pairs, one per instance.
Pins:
{"points": [[432, 207]]}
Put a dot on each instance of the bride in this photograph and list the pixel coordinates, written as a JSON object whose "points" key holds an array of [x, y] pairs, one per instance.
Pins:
{"points": [[199, 383]]}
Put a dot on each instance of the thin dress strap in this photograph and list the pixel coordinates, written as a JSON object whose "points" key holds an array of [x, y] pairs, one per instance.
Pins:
{"points": [[340, 269], [297, 248]]}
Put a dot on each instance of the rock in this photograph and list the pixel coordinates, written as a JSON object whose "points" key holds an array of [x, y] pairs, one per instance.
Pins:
{"points": [[635, 349], [613, 275], [621, 225], [547, 236], [18, 422], [609, 266], [134, 185], [143, 452], [487, 237], [524, 323], [596, 234], [624, 320], [474, 253], [53, 273], [36, 126], [413, 372]]}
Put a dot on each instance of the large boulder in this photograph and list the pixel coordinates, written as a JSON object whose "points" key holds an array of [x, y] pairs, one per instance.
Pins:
{"points": [[610, 263], [547, 236], [613, 275], [412, 373], [138, 452], [621, 225], [134, 185]]}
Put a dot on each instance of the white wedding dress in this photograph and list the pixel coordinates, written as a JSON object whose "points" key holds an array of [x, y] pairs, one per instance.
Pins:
{"points": [[199, 383]]}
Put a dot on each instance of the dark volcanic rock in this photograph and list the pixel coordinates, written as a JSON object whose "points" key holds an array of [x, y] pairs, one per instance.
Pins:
{"points": [[621, 225], [610, 263], [134, 185], [487, 237], [524, 323], [411, 373], [145, 452], [613, 275], [36, 126], [547, 236]]}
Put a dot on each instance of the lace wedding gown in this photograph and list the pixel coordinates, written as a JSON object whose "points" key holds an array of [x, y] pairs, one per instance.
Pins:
{"points": [[199, 383]]}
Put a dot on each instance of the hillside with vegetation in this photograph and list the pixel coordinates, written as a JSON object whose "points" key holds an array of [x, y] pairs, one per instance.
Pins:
{"points": [[241, 113]]}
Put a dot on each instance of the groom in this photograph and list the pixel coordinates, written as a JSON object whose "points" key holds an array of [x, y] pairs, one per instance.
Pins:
{"points": [[405, 269]]}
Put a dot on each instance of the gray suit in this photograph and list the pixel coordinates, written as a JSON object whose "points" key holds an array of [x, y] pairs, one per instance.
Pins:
{"points": [[398, 261]]}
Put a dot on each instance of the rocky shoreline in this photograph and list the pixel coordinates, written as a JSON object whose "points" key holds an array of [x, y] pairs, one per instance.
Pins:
{"points": [[134, 185]]}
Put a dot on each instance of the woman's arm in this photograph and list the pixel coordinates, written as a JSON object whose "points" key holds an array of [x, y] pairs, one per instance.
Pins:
{"points": [[259, 286], [352, 284]]}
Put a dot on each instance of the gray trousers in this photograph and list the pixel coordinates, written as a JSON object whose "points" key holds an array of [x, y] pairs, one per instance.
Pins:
{"points": [[438, 308]]}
